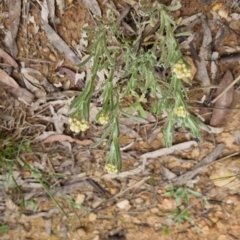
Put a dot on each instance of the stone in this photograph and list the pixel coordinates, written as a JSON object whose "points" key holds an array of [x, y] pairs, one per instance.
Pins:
{"points": [[123, 204]]}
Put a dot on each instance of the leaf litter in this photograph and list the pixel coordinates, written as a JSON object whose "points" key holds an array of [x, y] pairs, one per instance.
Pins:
{"points": [[45, 122]]}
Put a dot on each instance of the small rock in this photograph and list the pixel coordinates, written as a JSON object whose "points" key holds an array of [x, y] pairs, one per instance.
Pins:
{"points": [[223, 237], [213, 218], [223, 13], [217, 6], [113, 191], [219, 214], [80, 198], [52, 57], [46, 49], [138, 200], [96, 203], [221, 225], [96, 237], [92, 217], [81, 232], [168, 203], [123, 204], [157, 226], [205, 229], [229, 201], [154, 210]]}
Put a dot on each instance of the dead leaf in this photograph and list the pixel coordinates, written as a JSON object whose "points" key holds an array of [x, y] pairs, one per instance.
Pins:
{"points": [[6, 79], [36, 84], [45, 135], [93, 6], [192, 68], [129, 132], [22, 94], [14, 11], [167, 174], [32, 84], [10, 85], [202, 74], [224, 102], [62, 138], [75, 78], [168, 203], [186, 21], [8, 59]]}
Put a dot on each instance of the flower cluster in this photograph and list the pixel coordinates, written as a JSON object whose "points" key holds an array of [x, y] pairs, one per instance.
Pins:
{"points": [[77, 125], [103, 119], [181, 70], [181, 112], [111, 168]]}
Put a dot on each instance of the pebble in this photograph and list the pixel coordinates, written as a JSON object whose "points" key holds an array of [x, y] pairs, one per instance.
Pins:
{"points": [[46, 49], [81, 232], [205, 229], [229, 201], [154, 210], [52, 57], [138, 200], [123, 204], [222, 237], [92, 217], [96, 237], [80, 198], [96, 203], [213, 218], [223, 13]]}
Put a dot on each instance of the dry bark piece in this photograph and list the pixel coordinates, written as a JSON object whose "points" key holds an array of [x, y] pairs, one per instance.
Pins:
{"points": [[61, 5], [51, 8], [224, 102], [14, 9], [59, 44]]}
